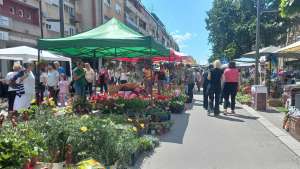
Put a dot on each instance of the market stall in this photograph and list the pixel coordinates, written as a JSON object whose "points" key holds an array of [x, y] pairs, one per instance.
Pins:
{"points": [[111, 40], [25, 53], [110, 129]]}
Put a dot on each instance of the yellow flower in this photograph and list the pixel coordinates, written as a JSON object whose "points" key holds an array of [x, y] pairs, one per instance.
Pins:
{"points": [[33, 101], [130, 120], [55, 110], [52, 103], [142, 125], [85, 116], [51, 99], [134, 129], [83, 129]]}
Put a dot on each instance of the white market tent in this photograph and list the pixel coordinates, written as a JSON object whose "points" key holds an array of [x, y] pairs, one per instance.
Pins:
{"points": [[245, 60], [262, 52], [25, 53]]}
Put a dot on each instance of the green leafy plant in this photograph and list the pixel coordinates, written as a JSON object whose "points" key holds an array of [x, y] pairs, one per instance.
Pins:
{"points": [[19, 144], [243, 98]]}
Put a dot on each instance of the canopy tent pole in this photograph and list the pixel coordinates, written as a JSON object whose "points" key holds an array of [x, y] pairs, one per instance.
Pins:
{"points": [[37, 72], [115, 80], [94, 56], [151, 74]]}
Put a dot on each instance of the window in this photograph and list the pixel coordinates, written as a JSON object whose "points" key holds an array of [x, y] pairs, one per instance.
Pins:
{"points": [[71, 31], [28, 16], [21, 13], [107, 2], [48, 26], [118, 9], [142, 24], [69, 10], [106, 18], [12, 10]]}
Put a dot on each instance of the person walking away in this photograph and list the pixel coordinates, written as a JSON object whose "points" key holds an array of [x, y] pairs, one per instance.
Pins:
{"points": [[167, 74], [124, 77], [79, 80], [161, 78], [231, 82], [215, 76], [63, 89], [89, 77], [190, 82], [206, 86], [25, 82], [11, 94], [59, 68], [148, 79], [43, 84], [53, 79], [117, 76], [103, 79], [199, 79]]}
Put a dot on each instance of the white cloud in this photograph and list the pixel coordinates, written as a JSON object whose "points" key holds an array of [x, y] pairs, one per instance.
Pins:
{"points": [[182, 38]]}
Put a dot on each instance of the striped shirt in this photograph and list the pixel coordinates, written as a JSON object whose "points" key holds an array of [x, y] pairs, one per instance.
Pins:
{"points": [[20, 89]]}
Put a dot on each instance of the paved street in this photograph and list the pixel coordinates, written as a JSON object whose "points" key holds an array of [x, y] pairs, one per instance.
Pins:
{"points": [[198, 141]]}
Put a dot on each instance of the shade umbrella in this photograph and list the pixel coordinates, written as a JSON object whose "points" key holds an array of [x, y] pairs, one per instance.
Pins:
{"points": [[111, 40]]}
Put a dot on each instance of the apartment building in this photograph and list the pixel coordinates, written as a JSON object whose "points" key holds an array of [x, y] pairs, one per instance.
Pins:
{"points": [[141, 20], [20, 23]]}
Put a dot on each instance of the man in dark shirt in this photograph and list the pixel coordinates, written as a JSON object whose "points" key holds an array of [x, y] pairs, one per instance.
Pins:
{"points": [[190, 82], [205, 85], [215, 76]]}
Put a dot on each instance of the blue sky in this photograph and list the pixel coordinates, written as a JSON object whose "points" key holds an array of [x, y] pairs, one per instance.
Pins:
{"points": [[185, 20]]}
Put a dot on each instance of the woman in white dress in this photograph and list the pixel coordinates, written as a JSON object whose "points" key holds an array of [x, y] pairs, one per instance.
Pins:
{"points": [[25, 81]]}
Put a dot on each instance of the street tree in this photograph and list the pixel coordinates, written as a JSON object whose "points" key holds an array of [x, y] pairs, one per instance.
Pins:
{"points": [[232, 27]]}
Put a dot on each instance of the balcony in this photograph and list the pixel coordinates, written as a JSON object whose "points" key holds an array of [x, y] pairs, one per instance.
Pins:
{"points": [[130, 22]]}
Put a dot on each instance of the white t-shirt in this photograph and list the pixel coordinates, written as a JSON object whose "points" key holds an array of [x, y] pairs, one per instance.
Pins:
{"points": [[53, 78], [89, 75], [44, 78], [124, 76], [29, 83], [8, 77]]}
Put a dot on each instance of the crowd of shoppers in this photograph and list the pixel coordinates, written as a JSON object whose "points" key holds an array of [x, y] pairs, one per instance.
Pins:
{"points": [[213, 80]]}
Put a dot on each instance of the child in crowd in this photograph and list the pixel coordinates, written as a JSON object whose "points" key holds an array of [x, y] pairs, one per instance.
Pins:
{"points": [[63, 89]]}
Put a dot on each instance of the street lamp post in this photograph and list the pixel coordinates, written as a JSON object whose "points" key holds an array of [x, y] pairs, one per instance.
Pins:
{"points": [[257, 42], [61, 18]]}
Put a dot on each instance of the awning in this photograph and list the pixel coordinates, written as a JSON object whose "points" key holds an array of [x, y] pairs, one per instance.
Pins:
{"points": [[26, 53], [262, 52], [290, 51]]}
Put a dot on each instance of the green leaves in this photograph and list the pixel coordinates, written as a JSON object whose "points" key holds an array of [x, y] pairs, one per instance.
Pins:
{"points": [[289, 8], [18, 145], [232, 27]]}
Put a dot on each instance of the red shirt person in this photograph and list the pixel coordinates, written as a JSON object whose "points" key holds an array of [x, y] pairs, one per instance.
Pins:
{"points": [[231, 78]]}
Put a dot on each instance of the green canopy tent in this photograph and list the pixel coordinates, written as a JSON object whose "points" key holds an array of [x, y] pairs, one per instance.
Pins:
{"points": [[111, 40]]}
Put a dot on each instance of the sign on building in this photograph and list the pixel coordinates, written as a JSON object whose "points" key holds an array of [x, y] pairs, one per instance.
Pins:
{"points": [[4, 21]]}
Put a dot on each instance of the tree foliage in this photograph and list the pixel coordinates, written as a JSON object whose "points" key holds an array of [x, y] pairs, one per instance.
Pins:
{"points": [[232, 27], [289, 8]]}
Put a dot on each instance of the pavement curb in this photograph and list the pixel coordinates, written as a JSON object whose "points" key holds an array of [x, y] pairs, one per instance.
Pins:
{"points": [[285, 138]]}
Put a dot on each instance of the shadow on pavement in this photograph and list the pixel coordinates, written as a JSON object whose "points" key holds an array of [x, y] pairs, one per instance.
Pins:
{"points": [[245, 117], [177, 132], [229, 118]]}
